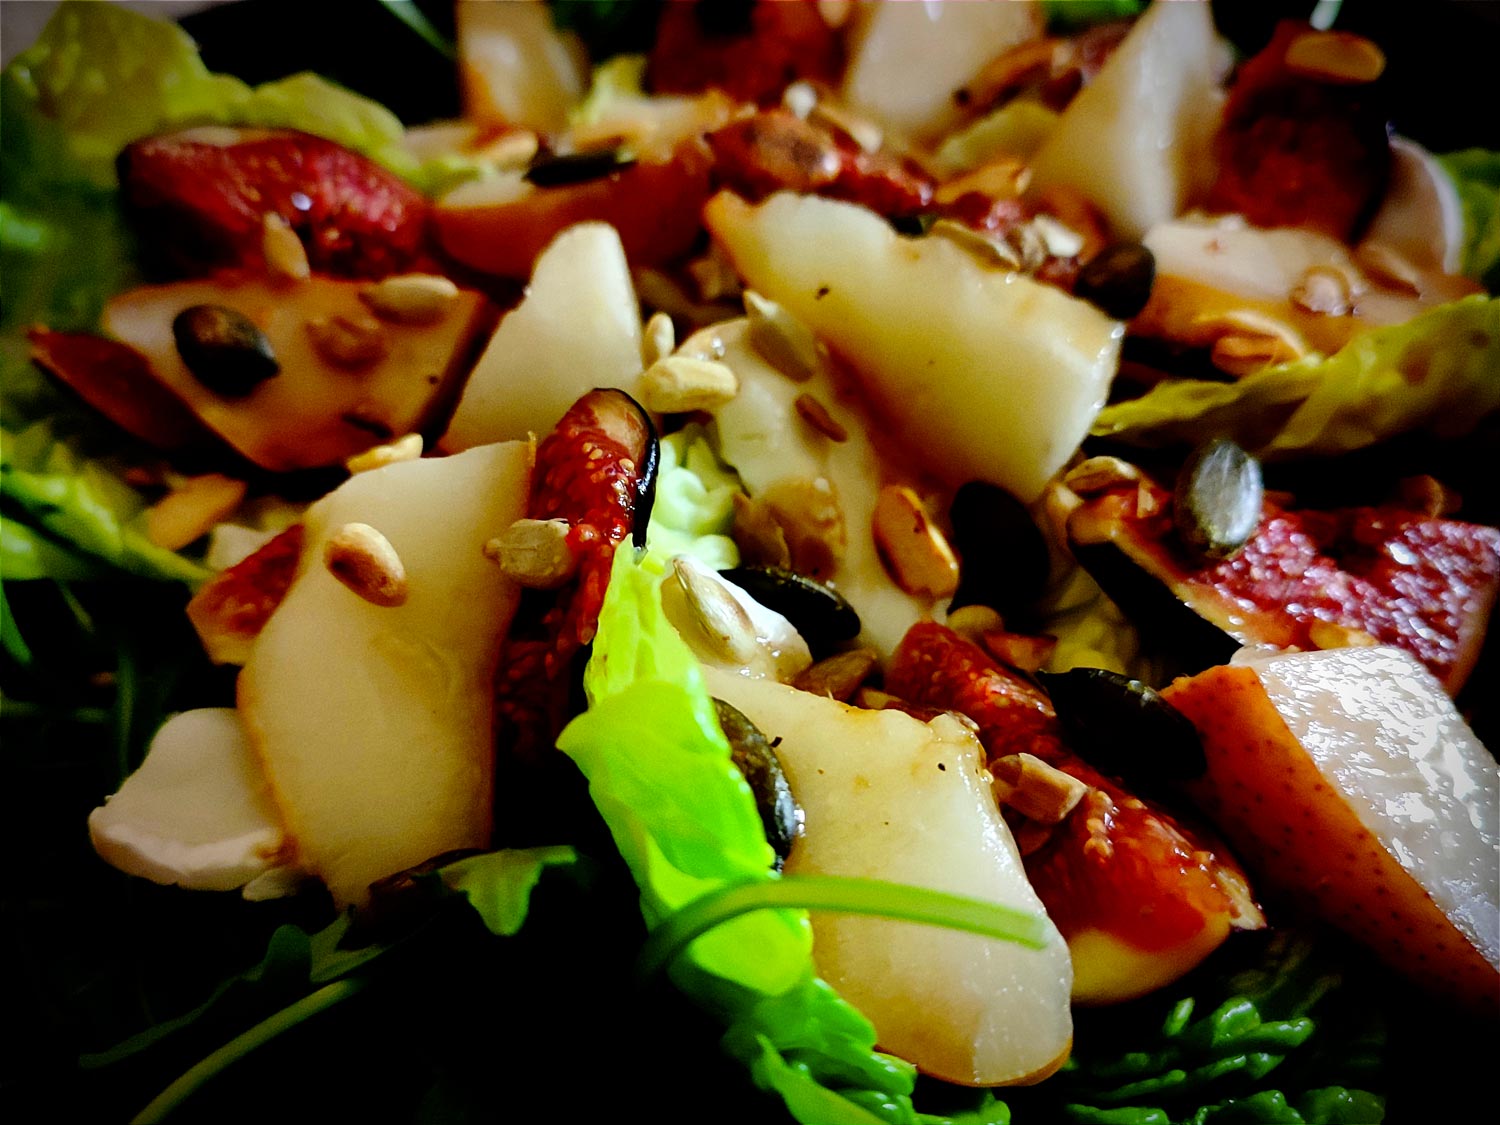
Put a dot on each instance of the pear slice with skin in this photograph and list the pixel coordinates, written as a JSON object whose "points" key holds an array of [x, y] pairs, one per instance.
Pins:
{"points": [[374, 723], [886, 796]]}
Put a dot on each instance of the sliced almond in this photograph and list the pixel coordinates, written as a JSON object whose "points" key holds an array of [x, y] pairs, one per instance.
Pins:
{"points": [[1036, 790], [192, 509], [914, 550], [364, 561]]}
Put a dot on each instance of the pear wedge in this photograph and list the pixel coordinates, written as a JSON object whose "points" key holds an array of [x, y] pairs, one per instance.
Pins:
{"points": [[373, 723]]}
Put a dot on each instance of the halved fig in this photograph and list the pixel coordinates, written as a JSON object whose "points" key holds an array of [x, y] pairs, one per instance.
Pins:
{"points": [[347, 380], [1141, 897], [201, 196], [1304, 580], [230, 609]]}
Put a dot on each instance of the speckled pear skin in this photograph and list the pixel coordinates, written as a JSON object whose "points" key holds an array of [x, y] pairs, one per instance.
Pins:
{"points": [[1291, 805]]}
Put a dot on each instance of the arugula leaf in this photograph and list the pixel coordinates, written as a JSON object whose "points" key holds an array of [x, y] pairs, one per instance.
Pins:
{"points": [[1435, 373]]}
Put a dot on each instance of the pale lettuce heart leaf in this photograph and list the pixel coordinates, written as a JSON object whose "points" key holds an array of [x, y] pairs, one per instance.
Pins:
{"points": [[1439, 373], [1475, 172]]}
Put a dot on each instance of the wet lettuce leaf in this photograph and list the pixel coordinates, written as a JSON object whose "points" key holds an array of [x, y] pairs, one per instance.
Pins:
{"points": [[1438, 373], [1476, 174], [684, 819]]}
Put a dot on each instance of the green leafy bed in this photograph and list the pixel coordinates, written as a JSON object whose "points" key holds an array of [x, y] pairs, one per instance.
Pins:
{"points": [[522, 983]]}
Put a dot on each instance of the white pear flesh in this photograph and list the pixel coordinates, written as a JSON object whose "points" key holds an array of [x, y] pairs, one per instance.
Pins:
{"points": [[986, 374], [1421, 216], [760, 434], [374, 723], [886, 796], [1137, 141], [516, 68], [1392, 745], [577, 328], [906, 61], [197, 812]]}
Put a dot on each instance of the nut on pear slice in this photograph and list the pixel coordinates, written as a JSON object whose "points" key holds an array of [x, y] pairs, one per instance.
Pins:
{"points": [[886, 796], [374, 723], [1348, 778], [989, 375]]}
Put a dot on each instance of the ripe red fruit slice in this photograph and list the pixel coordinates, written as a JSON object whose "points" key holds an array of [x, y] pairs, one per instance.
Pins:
{"points": [[1306, 579], [230, 609], [1140, 897], [588, 472], [1301, 150], [202, 205], [752, 51]]}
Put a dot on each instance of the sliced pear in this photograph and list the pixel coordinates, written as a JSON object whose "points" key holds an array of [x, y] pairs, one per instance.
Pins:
{"points": [[579, 327], [516, 68], [1138, 139], [315, 412], [1350, 779], [374, 724], [761, 435], [1421, 217], [886, 796], [197, 812], [907, 60], [987, 374]]}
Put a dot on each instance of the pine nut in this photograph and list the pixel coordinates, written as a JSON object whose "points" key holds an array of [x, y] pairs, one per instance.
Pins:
{"points": [[364, 561], [411, 298]]}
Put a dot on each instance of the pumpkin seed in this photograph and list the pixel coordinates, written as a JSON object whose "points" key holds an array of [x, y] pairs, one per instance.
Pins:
{"points": [[820, 613], [1125, 728], [1118, 279], [1217, 502], [1003, 557], [554, 169], [754, 756], [224, 349]]}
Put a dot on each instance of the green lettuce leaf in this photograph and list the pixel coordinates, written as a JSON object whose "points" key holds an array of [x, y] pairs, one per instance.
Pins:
{"points": [[81, 503], [683, 817], [1438, 373], [694, 509], [1476, 174]]}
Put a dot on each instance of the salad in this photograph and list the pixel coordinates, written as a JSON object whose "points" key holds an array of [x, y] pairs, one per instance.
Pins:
{"points": [[876, 562]]}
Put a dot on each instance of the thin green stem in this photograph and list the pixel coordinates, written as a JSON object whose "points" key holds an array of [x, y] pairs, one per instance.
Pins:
{"points": [[841, 896], [409, 14], [192, 1079]]}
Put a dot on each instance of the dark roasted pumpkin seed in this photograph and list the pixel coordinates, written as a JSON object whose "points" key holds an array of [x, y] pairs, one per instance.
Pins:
{"points": [[820, 613], [1216, 505], [554, 169], [224, 349], [1125, 728], [1118, 279], [1003, 557], [754, 756]]}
